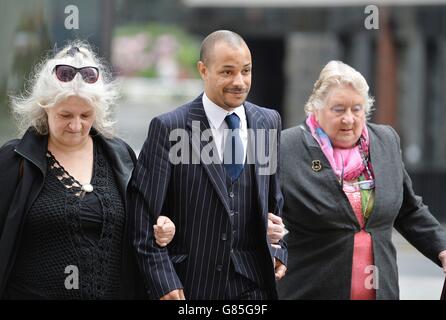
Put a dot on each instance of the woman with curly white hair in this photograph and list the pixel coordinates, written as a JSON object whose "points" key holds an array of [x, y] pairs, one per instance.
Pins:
{"points": [[64, 227]]}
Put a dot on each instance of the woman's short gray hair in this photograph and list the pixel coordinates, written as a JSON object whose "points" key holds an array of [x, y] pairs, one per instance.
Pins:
{"points": [[337, 73], [45, 90]]}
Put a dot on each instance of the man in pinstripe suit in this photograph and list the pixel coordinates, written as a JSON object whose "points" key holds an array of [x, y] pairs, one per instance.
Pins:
{"points": [[220, 207]]}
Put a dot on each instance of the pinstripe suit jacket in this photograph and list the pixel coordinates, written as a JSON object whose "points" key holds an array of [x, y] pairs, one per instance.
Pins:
{"points": [[195, 197]]}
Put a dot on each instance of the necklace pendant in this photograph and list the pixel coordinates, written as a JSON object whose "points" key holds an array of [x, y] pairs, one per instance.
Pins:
{"points": [[87, 187]]}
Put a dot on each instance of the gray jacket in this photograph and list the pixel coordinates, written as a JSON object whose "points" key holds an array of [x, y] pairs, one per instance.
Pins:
{"points": [[322, 223]]}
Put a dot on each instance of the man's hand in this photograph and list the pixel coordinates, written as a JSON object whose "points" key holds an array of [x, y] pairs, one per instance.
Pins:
{"points": [[276, 229], [279, 269], [442, 257], [164, 230], [177, 294]]}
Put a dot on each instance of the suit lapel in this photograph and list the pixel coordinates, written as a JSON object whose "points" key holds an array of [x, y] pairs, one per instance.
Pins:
{"points": [[329, 177], [377, 152], [214, 169], [255, 121]]}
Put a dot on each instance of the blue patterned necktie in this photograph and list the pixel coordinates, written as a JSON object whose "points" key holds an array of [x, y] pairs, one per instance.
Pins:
{"points": [[233, 156]]}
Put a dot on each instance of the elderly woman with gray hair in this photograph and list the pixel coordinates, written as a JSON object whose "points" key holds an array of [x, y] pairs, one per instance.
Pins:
{"points": [[64, 227], [345, 188]]}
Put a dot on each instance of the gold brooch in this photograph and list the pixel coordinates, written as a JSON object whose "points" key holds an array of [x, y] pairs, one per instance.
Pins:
{"points": [[316, 165]]}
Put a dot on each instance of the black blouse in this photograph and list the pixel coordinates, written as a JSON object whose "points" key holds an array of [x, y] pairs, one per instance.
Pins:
{"points": [[71, 244]]}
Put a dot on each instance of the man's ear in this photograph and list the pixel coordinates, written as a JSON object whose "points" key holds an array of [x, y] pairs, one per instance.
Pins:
{"points": [[202, 69]]}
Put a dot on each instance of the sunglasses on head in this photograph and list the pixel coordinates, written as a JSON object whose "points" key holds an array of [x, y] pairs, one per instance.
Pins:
{"points": [[66, 73]]}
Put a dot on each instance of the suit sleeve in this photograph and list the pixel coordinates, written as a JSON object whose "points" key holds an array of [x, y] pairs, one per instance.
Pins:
{"points": [[150, 183], [416, 223], [276, 198]]}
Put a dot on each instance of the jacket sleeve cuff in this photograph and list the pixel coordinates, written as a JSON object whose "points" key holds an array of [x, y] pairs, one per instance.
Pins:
{"points": [[164, 283], [280, 253]]}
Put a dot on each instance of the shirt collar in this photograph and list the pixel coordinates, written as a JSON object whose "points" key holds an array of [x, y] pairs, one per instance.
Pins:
{"points": [[216, 114]]}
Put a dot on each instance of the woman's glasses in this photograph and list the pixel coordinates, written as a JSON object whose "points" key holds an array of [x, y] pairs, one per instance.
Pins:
{"points": [[66, 73]]}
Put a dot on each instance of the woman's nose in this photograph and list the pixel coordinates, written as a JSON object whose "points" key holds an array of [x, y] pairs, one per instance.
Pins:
{"points": [[75, 125], [348, 117]]}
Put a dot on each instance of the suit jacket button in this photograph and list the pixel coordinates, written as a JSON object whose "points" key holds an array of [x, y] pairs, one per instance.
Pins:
{"points": [[231, 194], [219, 268], [224, 237]]}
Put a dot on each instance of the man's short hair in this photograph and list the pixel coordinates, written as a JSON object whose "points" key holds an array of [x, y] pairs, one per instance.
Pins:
{"points": [[211, 40]]}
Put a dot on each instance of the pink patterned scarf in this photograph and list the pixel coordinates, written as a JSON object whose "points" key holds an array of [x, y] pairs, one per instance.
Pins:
{"points": [[350, 159]]}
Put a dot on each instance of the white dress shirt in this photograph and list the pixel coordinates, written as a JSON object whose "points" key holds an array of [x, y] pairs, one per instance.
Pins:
{"points": [[216, 116]]}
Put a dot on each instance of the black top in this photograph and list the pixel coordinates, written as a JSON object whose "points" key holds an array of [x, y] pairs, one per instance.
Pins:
{"points": [[69, 232]]}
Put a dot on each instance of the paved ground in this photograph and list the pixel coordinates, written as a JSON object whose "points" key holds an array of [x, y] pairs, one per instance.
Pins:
{"points": [[420, 278]]}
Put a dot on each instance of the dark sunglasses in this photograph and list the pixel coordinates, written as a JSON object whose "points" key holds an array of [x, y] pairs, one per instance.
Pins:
{"points": [[66, 73]]}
